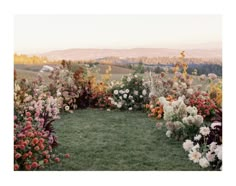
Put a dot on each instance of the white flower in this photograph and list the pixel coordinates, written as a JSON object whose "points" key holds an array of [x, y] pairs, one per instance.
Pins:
{"points": [[190, 120], [197, 137], [58, 93], [187, 145], [151, 106], [210, 157], [205, 131], [213, 125], [195, 147], [122, 86], [131, 97], [218, 151], [136, 92], [178, 125], [67, 108], [144, 92], [127, 91], [175, 85], [108, 110], [119, 105], [213, 146], [184, 85], [132, 101], [162, 100], [125, 96], [198, 120], [191, 110], [120, 97], [128, 79], [212, 76], [135, 76], [121, 91], [130, 108], [204, 163], [190, 91], [202, 77], [185, 120], [141, 96], [168, 133], [116, 92], [194, 156]]}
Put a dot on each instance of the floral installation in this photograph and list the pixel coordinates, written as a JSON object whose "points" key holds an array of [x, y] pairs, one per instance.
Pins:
{"points": [[130, 94], [206, 147]]}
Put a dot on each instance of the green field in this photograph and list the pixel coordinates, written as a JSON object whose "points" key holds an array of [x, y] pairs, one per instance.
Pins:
{"points": [[30, 72], [115, 140]]}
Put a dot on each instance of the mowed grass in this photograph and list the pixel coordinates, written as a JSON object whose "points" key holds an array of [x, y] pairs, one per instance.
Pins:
{"points": [[115, 140]]}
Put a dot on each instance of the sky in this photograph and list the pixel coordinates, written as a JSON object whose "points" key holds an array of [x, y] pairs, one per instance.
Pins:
{"points": [[41, 33]]}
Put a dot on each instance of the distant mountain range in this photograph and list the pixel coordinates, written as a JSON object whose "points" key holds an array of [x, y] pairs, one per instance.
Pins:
{"points": [[85, 54]]}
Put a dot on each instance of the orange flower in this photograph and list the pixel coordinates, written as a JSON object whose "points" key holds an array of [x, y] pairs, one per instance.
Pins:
{"points": [[153, 110], [35, 141], [159, 116], [147, 106]]}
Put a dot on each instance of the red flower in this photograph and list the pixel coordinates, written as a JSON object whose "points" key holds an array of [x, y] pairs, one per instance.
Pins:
{"points": [[67, 155], [28, 114], [57, 160], [30, 153], [16, 167], [34, 165], [41, 140], [36, 148], [45, 161], [18, 155], [45, 152], [29, 119]]}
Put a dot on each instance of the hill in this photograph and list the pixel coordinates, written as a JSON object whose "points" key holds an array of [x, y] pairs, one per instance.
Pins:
{"points": [[85, 54]]}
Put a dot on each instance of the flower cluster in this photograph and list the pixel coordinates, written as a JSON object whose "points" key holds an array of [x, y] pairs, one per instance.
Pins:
{"points": [[206, 148], [181, 121], [164, 85], [63, 87], [34, 136], [131, 93], [205, 106], [32, 147]]}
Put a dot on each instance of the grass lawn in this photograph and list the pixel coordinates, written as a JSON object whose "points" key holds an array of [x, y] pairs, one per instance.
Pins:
{"points": [[102, 140]]}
